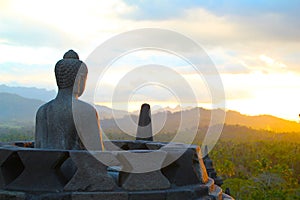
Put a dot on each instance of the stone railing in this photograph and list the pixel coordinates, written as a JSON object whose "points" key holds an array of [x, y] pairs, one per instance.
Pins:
{"points": [[28, 173]]}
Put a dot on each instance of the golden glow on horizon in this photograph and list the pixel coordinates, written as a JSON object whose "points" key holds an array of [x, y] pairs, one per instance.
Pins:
{"points": [[135, 106], [244, 107], [251, 94]]}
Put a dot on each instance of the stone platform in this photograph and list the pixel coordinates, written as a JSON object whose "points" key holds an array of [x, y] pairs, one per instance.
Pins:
{"points": [[39, 174]]}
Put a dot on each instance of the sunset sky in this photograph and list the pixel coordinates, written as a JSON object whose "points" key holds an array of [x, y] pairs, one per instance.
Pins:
{"points": [[254, 44]]}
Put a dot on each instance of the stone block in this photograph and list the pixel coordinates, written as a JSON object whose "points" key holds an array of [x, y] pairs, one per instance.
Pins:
{"points": [[151, 195], [179, 194], [11, 166], [51, 196], [154, 145], [186, 166], [201, 191], [141, 170], [91, 174], [100, 196], [114, 145], [41, 171], [138, 145]]}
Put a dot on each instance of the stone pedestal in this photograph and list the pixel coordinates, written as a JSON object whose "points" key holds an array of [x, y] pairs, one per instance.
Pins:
{"points": [[166, 172]]}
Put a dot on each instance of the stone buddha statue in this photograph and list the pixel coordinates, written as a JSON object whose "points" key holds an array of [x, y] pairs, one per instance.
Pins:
{"points": [[67, 122]]}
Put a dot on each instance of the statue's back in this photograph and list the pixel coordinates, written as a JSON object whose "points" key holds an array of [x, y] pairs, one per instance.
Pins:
{"points": [[55, 128]]}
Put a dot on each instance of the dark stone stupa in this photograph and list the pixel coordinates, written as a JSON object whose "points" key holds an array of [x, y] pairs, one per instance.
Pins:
{"points": [[144, 131]]}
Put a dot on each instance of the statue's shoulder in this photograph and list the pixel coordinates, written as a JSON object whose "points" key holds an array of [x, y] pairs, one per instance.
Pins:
{"points": [[43, 108], [84, 106]]}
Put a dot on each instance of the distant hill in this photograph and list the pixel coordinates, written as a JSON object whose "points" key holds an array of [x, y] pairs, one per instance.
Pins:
{"points": [[29, 92], [165, 109], [233, 118], [265, 122], [16, 108], [107, 113]]}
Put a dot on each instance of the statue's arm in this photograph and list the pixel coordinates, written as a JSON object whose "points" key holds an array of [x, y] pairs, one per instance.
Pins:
{"points": [[88, 126], [40, 126]]}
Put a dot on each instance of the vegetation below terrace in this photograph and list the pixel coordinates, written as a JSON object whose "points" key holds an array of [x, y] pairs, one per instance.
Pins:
{"points": [[255, 164]]}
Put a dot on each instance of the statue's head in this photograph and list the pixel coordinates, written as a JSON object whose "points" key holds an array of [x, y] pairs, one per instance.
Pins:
{"points": [[70, 72]]}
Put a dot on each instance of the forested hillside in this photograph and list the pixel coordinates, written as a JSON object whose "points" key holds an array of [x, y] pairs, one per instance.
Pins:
{"points": [[259, 170]]}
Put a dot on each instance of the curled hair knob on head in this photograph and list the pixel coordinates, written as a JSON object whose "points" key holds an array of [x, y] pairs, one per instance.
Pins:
{"points": [[66, 69], [71, 55]]}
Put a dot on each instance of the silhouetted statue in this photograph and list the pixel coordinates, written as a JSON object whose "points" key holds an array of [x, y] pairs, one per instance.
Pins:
{"points": [[55, 120], [144, 131]]}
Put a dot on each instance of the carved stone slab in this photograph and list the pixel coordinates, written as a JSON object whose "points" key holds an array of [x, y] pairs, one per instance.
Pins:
{"points": [[41, 171], [145, 173], [91, 174]]}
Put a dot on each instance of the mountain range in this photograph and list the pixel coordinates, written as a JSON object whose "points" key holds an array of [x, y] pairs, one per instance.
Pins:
{"points": [[15, 107], [29, 92]]}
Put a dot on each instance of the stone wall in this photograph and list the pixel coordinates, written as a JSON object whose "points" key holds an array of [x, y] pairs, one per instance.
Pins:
{"points": [[36, 174]]}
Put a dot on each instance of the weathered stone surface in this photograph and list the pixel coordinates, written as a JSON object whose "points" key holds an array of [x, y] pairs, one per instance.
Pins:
{"points": [[187, 169], [141, 170], [114, 145], [40, 171], [155, 145], [150, 195], [201, 191], [180, 194], [216, 193], [91, 175], [144, 131], [108, 158], [100, 196], [9, 195], [210, 185], [138, 145], [11, 166], [206, 198], [68, 169], [87, 178], [145, 181], [117, 145], [51, 196]]}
